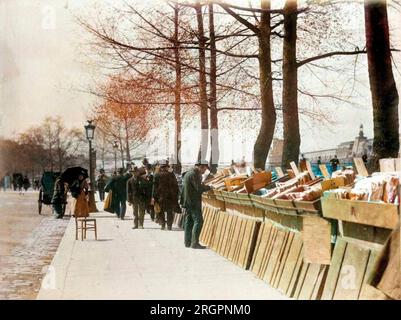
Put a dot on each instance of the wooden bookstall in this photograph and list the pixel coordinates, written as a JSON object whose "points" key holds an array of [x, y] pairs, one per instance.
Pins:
{"points": [[307, 250]]}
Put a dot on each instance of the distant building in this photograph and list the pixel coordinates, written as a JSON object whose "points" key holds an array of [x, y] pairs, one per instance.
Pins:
{"points": [[345, 151]]}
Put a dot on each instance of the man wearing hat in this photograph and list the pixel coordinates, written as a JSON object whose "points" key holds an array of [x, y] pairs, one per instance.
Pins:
{"points": [[191, 200], [101, 183], [137, 186], [165, 193], [118, 186]]}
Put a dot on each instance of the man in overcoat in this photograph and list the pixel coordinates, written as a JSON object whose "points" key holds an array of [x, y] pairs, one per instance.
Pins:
{"points": [[118, 187], [191, 200]]}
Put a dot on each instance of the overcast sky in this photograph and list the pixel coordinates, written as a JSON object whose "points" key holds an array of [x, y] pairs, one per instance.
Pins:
{"points": [[41, 68]]}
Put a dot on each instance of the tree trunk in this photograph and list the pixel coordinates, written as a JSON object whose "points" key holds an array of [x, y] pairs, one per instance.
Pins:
{"points": [[214, 125], [60, 160], [268, 121], [128, 152], [177, 94], [202, 86], [382, 85], [291, 134], [121, 150]]}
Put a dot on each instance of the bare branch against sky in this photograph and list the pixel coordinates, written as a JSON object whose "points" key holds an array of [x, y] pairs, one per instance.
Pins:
{"points": [[44, 69]]}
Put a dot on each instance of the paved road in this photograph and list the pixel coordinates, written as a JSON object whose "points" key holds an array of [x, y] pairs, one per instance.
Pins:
{"points": [[18, 219], [28, 242], [144, 264]]}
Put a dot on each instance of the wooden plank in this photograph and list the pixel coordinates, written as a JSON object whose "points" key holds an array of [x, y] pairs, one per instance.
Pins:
{"points": [[324, 171], [295, 276], [360, 167], [268, 251], [310, 281], [290, 264], [352, 273], [226, 249], [384, 215], [228, 235], [318, 289], [279, 257], [283, 259], [223, 232], [369, 274], [300, 280], [205, 223], [239, 241], [247, 244], [278, 244], [294, 168], [387, 165], [206, 218], [309, 167], [316, 235], [212, 230], [267, 228], [235, 238], [334, 270], [250, 250], [279, 172], [369, 292], [209, 231], [242, 257], [257, 246]]}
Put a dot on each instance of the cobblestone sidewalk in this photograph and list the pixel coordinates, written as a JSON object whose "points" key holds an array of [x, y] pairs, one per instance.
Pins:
{"points": [[23, 270]]}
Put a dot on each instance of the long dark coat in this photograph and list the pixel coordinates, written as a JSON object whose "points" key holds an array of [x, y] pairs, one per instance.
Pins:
{"points": [[192, 189], [118, 186], [165, 190]]}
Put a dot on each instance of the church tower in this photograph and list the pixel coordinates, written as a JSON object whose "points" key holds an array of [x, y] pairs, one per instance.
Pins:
{"points": [[360, 145]]}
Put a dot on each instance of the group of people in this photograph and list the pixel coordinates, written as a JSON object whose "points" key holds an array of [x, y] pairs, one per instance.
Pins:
{"points": [[155, 190], [17, 181], [79, 190]]}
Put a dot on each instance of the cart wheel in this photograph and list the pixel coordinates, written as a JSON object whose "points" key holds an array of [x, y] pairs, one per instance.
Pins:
{"points": [[40, 202]]}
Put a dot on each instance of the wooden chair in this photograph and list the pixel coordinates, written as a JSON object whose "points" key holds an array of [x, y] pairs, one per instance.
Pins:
{"points": [[85, 224]]}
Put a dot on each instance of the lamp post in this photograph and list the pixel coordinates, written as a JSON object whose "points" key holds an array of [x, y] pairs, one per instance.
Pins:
{"points": [[115, 147], [90, 133]]}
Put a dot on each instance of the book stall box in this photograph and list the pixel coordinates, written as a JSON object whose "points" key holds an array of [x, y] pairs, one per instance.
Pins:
{"points": [[366, 214]]}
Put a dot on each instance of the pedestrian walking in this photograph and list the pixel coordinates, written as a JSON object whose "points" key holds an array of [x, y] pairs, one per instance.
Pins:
{"points": [[59, 198], [334, 163], [137, 196], [26, 183], [165, 193], [191, 200], [302, 163], [149, 208], [20, 182], [118, 187], [101, 183]]}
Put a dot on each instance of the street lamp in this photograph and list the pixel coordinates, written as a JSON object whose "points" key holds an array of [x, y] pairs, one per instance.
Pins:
{"points": [[90, 134], [115, 147]]}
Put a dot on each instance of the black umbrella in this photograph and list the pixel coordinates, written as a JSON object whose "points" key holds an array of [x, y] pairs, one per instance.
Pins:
{"points": [[71, 174]]}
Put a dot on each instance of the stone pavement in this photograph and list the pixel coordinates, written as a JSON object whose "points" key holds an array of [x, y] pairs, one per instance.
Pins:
{"points": [[23, 269], [144, 264]]}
